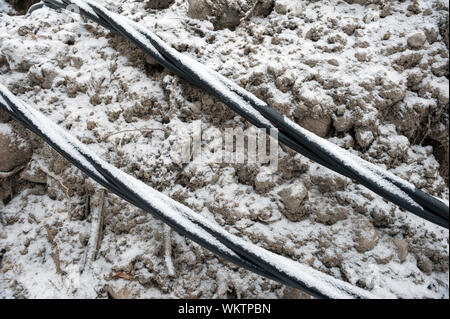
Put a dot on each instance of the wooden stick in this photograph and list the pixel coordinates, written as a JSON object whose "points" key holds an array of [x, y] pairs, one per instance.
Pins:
{"points": [[64, 187], [168, 250], [149, 129], [96, 236], [98, 224]]}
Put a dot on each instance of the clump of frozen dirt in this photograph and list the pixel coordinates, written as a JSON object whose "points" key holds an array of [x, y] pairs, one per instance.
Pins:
{"points": [[369, 76], [158, 4], [14, 149], [226, 13]]}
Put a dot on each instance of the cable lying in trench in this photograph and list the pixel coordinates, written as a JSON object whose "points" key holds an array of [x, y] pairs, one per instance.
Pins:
{"points": [[385, 184], [179, 217]]}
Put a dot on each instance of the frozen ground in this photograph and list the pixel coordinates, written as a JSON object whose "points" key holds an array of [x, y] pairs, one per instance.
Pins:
{"points": [[370, 78]]}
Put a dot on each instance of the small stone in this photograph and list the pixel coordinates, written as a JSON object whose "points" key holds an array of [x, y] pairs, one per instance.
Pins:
{"points": [[427, 12], [381, 218], [402, 248], [24, 30], [280, 7], [371, 16], [285, 81], [386, 36], [313, 34], [320, 126], [362, 57], [150, 61], [414, 8], [385, 11], [33, 174], [340, 110], [416, 41], [408, 61], [76, 61], [333, 62], [90, 125], [328, 181], [349, 29]]}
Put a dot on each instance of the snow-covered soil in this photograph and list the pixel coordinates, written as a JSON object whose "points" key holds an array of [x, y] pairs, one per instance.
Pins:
{"points": [[370, 78]]}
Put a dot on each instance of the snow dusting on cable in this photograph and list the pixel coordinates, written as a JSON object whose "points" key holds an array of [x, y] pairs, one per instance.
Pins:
{"points": [[177, 213]]}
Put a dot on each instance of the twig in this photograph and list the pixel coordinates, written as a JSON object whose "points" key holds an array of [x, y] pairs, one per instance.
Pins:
{"points": [[53, 284], [98, 224], [168, 250], [64, 187], [95, 238], [150, 129], [55, 251], [57, 260], [12, 172]]}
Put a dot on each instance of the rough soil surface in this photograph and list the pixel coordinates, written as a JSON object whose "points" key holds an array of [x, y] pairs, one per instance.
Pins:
{"points": [[158, 4], [228, 13], [370, 76]]}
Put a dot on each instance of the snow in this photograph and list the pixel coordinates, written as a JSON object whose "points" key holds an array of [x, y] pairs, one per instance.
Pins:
{"points": [[5, 7], [146, 157]]}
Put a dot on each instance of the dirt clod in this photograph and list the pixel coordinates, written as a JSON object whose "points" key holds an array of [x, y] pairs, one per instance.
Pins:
{"points": [[14, 149], [416, 41]]}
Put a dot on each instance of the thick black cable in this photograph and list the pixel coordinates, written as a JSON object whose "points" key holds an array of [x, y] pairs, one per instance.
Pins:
{"points": [[116, 28], [317, 154], [198, 80], [121, 31], [127, 195], [121, 190], [427, 207], [247, 258]]}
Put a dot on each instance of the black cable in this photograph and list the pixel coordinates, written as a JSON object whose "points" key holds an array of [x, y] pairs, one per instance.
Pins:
{"points": [[246, 255], [289, 136], [111, 184], [416, 201]]}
